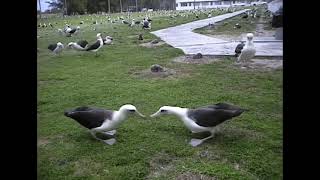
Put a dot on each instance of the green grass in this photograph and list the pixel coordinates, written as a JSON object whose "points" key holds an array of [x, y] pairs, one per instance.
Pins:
{"points": [[152, 148]]}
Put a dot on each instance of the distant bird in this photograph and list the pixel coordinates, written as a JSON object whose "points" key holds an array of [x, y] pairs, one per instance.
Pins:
{"points": [[211, 25], [80, 45], [56, 48], [60, 32], [74, 31], [50, 25], [237, 26], [249, 51], [202, 119], [239, 49], [146, 24], [97, 45], [81, 22], [124, 22], [210, 15], [99, 120], [140, 37], [44, 25], [245, 16], [133, 22], [107, 40]]}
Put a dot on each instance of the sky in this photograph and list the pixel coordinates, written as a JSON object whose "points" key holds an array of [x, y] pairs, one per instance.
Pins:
{"points": [[44, 5]]}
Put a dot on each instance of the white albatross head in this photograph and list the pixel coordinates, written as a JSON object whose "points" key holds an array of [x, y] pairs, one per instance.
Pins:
{"points": [[249, 36], [169, 110], [59, 44], [128, 109]]}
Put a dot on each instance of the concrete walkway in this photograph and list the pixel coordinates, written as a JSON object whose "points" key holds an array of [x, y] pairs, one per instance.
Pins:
{"points": [[183, 38]]}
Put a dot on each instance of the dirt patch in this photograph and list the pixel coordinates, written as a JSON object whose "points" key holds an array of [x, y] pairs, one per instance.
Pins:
{"points": [[189, 60], [151, 45], [192, 176], [261, 64], [147, 73], [160, 165], [43, 141]]}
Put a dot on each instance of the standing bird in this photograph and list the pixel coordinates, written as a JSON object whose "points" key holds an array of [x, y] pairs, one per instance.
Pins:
{"points": [[239, 48], [203, 119], [56, 48], [97, 45], [101, 120], [248, 51]]}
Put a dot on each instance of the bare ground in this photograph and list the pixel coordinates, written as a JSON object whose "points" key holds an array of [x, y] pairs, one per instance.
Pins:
{"points": [[189, 60], [150, 45], [261, 64]]}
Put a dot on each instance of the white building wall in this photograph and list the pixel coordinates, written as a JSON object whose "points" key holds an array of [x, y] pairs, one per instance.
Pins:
{"points": [[206, 4]]}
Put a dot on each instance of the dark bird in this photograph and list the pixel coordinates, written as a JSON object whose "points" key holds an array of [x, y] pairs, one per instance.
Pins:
{"points": [[140, 37], [97, 45], [239, 49]]}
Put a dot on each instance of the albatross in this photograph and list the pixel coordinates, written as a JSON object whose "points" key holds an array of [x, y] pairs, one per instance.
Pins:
{"points": [[101, 120], [249, 51], [80, 45], [97, 45], [56, 48], [202, 119]]}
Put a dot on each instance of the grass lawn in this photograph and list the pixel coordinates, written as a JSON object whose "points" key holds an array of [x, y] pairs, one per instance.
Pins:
{"points": [[248, 147]]}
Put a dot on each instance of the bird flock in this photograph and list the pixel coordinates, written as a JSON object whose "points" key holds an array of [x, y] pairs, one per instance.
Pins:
{"points": [[106, 121]]}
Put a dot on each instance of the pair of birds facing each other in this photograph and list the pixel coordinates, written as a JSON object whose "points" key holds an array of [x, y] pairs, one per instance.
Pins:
{"points": [[84, 46], [245, 52], [99, 43], [202, 119]]}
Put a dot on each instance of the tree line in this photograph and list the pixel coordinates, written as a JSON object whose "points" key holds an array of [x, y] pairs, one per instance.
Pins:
{"points": [[70, 7]]}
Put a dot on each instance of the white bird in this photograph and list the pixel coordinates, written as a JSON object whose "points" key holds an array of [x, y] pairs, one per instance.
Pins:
{"points": [[56, 48], [60, 31], [249, 51], [80, 45], [107, 40], [101, 120], [203, 119]]}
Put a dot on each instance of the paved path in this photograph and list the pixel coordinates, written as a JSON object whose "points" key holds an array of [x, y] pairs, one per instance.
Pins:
{"points": [[183, 38]]}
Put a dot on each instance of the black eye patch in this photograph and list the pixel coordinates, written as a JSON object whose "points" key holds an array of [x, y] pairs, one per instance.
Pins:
{"points": [[163, 110], [132, 110]]}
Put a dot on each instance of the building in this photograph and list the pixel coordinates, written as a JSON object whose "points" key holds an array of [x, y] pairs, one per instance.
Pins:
{"points": [[207, 4]]}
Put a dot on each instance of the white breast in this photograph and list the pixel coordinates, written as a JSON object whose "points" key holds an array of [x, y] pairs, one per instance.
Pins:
{"points": [[194, 127]]}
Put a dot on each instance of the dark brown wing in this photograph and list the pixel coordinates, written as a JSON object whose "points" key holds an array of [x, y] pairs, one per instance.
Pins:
{"points": [[89, 117], [210, 117]]}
